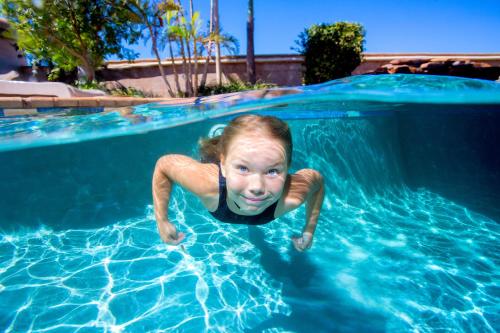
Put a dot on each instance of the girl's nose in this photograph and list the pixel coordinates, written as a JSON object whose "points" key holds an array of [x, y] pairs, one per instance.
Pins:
{"points": [[256, 185]]}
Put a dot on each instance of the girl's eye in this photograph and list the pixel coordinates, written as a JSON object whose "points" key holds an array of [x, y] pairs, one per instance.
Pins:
{"points": [[273, 172], [242, 168]]}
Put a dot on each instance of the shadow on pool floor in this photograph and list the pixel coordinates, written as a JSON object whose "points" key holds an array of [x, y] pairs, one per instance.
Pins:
{"points": [[314, 308]]}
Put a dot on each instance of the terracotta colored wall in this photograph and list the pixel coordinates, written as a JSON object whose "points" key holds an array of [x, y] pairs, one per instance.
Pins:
{"points": [[283, 70], [145, 75]]}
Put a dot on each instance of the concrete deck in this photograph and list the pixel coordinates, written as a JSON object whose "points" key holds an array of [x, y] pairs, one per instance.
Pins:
{"points": [[105, 101]]}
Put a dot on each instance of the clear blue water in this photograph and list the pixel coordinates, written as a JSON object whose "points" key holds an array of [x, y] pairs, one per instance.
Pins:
{"points": [[408, 239]]}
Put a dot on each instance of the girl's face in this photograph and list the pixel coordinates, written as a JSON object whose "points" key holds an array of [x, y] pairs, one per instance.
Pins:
{"points": [[255, 168]]}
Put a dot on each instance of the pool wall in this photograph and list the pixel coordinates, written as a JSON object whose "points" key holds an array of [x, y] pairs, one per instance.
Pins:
{"points": [[454, 152], [85, 184], [95, 183]]}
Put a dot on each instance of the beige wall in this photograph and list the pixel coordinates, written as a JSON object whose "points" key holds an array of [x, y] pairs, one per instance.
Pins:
{"points": [[283, 70], [145, 75]]}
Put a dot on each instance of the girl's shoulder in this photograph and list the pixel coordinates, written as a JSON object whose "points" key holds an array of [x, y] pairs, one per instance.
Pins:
{"points": [[297, 189], [202, 179]]}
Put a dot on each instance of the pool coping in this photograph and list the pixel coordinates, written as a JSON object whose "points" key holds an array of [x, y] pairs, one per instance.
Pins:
{"points": [[25, 106], [54, 102]]}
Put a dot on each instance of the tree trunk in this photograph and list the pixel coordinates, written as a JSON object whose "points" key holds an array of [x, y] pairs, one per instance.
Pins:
{"points": [[89, 72], [187, 71], [195, 74], [172, 60], [184, 66], [88, 67], [195, 53], [218, 73], [209, 47], [251, 75], [158, 58], [162, 73]]}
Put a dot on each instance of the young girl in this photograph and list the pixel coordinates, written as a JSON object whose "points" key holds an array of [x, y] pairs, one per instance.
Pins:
{"points": [[243, 179]]}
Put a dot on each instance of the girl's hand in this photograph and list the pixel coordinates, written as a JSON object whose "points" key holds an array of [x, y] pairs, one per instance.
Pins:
{"points": [[303, 242], [169, 234]]}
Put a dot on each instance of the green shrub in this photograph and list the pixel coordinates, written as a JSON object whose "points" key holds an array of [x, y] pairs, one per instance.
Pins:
{"points": [[331, 51], [57, 74], [233, 86], [117, 90], [84, 84], [128, 91]]}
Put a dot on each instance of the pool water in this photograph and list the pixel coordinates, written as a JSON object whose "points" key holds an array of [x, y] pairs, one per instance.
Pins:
{"points": [[408, 238]]}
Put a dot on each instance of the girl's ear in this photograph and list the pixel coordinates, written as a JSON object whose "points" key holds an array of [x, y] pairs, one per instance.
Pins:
{"points": [[222, 165]]}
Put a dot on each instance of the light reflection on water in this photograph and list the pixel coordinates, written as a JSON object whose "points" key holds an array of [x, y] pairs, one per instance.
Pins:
{"points": [[403, 261]]}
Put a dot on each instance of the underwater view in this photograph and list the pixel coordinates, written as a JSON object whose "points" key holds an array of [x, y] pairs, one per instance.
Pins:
{"points": [[407, 240]]}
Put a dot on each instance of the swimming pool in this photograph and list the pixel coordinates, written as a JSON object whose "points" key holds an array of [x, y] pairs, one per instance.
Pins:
{"points": [[408, 238]]}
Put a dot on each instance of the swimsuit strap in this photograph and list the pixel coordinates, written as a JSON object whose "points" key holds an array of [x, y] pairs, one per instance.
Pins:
{"points": [[222, 187]]}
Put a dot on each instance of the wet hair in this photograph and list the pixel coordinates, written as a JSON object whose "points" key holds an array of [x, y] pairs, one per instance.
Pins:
{"points": [[212, 148]]}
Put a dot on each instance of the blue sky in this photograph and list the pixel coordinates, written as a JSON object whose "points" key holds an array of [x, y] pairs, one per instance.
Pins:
{"points": [[391, 26]]}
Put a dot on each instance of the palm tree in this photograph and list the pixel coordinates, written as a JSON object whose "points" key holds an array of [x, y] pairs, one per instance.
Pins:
{"points": [[209, 40], [170, 10], [182, 31], [226, 41], [250, 45], [217, 42], [195, 35], [149, 15]]}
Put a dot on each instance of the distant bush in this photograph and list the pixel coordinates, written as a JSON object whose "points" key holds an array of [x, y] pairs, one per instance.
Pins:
{"points": [[57, 74], [85, 84], [128, 92], [233, 86], [331, 51], [116, 90]]}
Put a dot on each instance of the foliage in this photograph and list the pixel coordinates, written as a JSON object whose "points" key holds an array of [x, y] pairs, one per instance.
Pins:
{"points": [[84, 84], [72, 33], [331, 51], [116, 90], [166, 24], [147, 14], [129, 92], [60, 75], [227, 42], [82, 33], [233, 86]]}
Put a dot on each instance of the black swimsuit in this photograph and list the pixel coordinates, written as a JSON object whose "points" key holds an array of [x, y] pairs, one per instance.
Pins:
{"points": [[224, 214]]}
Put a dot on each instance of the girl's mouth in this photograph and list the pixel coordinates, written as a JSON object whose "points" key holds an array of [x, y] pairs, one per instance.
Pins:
{"points": [[254, 200]]}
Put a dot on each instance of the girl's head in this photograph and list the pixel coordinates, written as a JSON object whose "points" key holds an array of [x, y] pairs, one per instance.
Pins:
{"points": [[254, 154], [212, 149]]}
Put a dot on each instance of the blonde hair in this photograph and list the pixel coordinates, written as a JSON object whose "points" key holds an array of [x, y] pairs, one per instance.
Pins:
{"points": [[212, 148]]}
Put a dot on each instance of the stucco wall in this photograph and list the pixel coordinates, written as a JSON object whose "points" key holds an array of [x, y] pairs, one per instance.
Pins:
{"points": [[145, 75], [283, 70]]}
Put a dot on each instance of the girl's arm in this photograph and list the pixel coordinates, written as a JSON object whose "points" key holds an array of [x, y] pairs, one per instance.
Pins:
{"points": [[313, 208], [192, 175], [305, 186]]}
